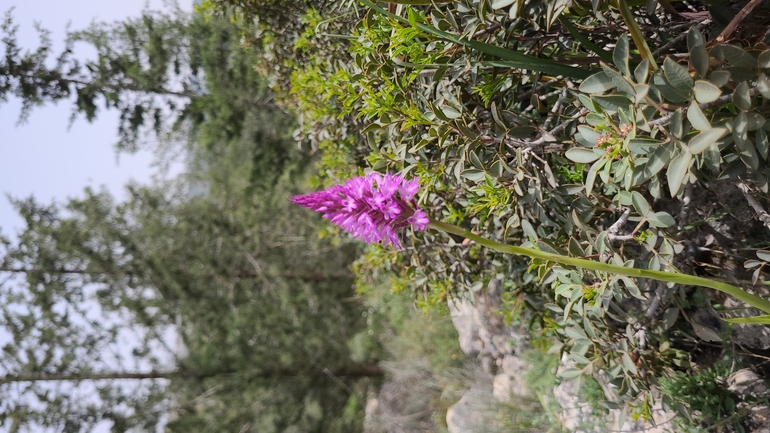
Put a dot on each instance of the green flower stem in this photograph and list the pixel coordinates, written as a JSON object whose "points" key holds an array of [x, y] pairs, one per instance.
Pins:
{"points": [[636, 34], [668, 277]]}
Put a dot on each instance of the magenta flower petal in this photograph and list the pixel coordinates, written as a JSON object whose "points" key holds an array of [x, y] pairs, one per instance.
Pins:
{"points": [[372, 208]]}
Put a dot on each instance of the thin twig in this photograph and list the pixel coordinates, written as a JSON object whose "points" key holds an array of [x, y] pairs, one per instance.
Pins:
{"points": [[761, 212], [740, 16], [612, 232]]}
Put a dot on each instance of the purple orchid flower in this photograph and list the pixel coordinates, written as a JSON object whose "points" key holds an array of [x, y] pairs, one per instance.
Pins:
{"points": [[371, 208]]}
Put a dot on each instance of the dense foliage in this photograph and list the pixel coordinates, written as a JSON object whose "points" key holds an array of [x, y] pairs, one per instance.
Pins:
{"points": [[546, 123]]}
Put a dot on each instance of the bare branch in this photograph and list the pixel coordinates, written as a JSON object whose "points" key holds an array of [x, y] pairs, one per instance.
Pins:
{"points": [[761, 212]]}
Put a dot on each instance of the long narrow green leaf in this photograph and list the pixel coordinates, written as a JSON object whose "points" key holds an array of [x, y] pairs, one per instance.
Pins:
{"points": [[636, 33], [756, 320], [669, 277], [516, 59], [606, 56]]}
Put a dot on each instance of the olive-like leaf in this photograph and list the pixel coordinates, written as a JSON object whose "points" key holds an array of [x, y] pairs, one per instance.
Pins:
{"points": [[706, 92], [675, 124], [499, 4], [696, 117], [597, 83], [762, 144], [677, 76], [641, 71], [720, 78], [643, 146], [582, 155], [640, 203], [659, 159], [620, 55], [705, 139], [763, 61], [763, 85], [677, 170], [570, 373], [734, 56], [612, 103], [698, 54], [742, 97], [661, 220]]}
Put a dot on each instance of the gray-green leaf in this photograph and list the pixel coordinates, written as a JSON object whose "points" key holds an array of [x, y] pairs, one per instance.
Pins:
{"points": [[677, 170], [702, 141], [742, 97], [697, 118], [698, 54], [677, 76], [706, 92], [582, 155]]}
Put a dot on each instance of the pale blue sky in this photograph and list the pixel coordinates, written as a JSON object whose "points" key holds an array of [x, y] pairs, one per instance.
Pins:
{"points": [[41, 157]]}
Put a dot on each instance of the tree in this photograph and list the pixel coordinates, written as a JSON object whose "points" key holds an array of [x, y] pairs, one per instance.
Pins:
{"points": [[169, 73], [261, 307]]}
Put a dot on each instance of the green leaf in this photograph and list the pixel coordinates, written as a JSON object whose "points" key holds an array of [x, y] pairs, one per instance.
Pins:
{"points": [[591, 176], [622, 84], [678, 76], [597, 83], [740, 128], [705, 333], [628, 364], [763, 255], [640, 92], [763, 61], [587, 136], [742, 97], [640, 203], [677, 170], [620, 55], [526, 226], [763, 85], [748, 154], [754, 320], [570, 373], [697, 118], [643, 146], [675, 124], [582, 155], [720, 78], [642, 71], [474, 175], [698, 54], [734, 56], [612, 103], [762, 143], [499, 4], [450, 112], [661, 220], [659, 159], [755, 121], [706, 92], [702, 141]]}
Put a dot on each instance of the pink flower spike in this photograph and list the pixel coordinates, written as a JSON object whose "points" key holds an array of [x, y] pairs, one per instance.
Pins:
{"points": [[372, 208]]}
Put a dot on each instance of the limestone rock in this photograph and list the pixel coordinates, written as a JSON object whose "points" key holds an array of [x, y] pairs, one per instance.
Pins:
{"points": [[746, 383], [464, 416]]}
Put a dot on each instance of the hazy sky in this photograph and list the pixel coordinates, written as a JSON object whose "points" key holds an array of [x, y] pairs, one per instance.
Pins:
{"points": [[42, 157]]}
